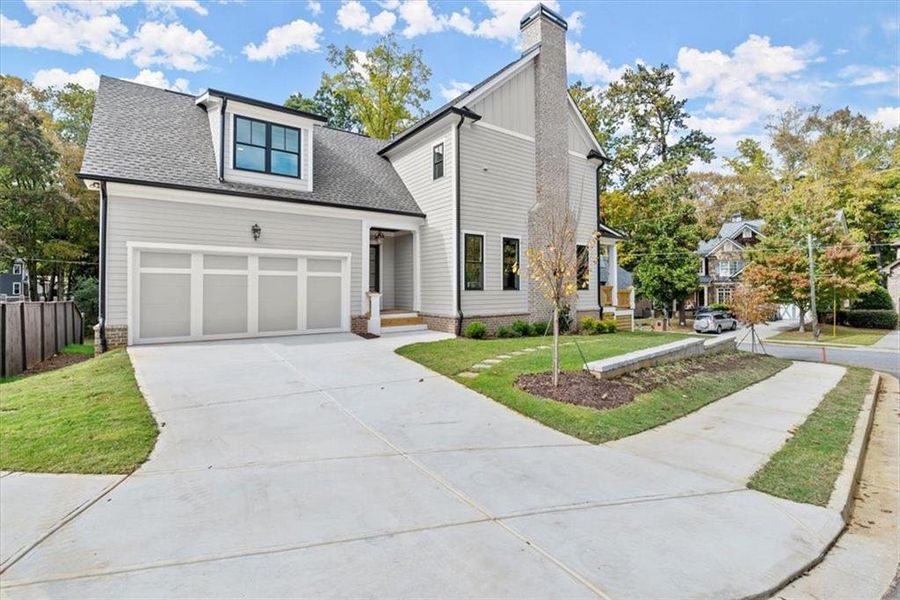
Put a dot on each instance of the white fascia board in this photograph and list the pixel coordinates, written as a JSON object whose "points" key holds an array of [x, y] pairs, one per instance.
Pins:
{"points": [[584, 124]]}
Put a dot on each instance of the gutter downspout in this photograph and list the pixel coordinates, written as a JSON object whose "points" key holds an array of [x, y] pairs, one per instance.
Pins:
{"points": [[101, 309], [459, 250], [222, 140], [599, 245]]}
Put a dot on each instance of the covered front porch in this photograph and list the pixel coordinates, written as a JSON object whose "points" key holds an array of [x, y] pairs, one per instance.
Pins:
{"points": [[616, 286], [390, 279]]}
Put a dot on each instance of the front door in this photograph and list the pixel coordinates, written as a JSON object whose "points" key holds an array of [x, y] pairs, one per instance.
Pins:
{"points": [[375, 268]]}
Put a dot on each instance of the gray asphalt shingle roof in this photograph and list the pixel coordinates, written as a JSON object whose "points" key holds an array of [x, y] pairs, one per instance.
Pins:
{"points": [[146, 134]]}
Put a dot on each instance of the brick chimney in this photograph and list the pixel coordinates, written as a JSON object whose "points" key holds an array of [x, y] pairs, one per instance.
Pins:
{"points": [[551, 139]]}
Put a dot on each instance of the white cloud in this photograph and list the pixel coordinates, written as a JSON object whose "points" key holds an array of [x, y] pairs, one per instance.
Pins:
{"points": [[503, 24], [296, 36], [158, 79], [314, 7], [168, 8], [74, 27], [86, 78], [590, 66], [420, 19], [66, 31], [743, 87], [889, 116], [576, 21], [840, 52], [858, 75], [354, 16], [170, 45], [455, 89]]}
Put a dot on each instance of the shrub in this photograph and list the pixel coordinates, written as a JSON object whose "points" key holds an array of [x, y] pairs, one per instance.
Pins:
{"points": [[607, 326], [719, 306], [539, 328], [588, 325], [871, 319], [522, 328], [877, 299], [507, 332], [86, 296], [476, 330]]}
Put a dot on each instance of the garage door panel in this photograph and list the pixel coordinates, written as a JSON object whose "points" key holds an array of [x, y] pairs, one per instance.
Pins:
{"points": [[323, 302], [165, 305], [224, 304], [202, 293], [278, 303]]}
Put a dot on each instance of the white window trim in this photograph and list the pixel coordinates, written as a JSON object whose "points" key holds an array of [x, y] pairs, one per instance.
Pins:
{"points": [[17, 269], [518, 239], [196, 271], [590, 250], [16, 288]]}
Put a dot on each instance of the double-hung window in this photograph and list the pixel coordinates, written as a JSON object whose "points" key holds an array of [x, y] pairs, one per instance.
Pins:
{"points": [[266, 147], [16, 288], [437, 161], [474, 258], [510, 264], [584, 272], [17, 269]]}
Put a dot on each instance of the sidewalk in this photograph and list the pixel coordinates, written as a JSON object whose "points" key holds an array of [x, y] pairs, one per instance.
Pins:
{"points": [[889, 342], [864, 560]]}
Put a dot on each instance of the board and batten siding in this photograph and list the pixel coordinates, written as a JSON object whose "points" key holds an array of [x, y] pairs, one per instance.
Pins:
{"points": [[497, 190], [437, 201], [510, 105], [254, 112], [151, 220], [403, 271]]}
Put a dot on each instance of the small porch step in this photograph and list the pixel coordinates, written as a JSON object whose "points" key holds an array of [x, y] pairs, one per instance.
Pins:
{"points": [[394, 320], [403, 328]]}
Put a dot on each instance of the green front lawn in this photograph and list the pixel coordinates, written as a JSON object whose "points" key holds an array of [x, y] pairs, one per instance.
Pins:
{"points": [[806, 467], [85, 418], [684, 394], [844, 335]]}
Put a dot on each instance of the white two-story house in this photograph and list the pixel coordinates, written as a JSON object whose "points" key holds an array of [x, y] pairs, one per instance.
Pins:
{"points": [[223, 216]]}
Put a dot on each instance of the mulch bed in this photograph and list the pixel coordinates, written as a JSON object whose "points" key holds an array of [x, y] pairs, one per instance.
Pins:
{"points": [[57, 361], [577, 387], [583, 389]]}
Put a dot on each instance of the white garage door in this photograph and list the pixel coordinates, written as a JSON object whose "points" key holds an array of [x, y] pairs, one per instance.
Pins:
{"points": [[193, 293]]}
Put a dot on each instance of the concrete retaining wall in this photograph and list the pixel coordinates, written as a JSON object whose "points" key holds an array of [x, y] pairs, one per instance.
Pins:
{"points": [[616, 366]]}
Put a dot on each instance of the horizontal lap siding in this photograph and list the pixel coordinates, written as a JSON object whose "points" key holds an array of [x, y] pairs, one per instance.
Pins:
{"points": [[436, 199], [144, 220], [497, 190]]}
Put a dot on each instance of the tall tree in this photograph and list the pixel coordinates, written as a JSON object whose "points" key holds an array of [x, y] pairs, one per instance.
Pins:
{"points": [[643, 128], [385, 88], [327, 103]]}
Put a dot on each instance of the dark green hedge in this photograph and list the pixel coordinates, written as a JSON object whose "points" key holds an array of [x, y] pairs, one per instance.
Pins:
{"points": [[871, 319], [877, 299]]}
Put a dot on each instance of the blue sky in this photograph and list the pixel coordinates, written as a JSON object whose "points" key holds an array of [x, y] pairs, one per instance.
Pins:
{"points": [[737, 62]]}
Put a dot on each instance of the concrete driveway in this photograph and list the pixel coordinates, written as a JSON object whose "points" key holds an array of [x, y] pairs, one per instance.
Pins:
{"points": [[326, 466]]}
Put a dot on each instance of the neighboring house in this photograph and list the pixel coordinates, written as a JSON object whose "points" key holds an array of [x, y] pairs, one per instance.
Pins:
{"points": [[14, 283], [722, 260], [892, 273], [223, 216]]}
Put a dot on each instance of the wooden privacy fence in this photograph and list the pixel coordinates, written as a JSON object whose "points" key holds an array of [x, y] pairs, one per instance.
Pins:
{"points": [[34, 331]]}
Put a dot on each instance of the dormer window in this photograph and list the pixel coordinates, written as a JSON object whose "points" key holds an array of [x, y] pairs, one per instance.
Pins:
{"points": [[266, 147]]}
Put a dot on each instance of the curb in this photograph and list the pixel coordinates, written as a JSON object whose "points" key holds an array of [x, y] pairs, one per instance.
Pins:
{"points": [[848, 480], [846, 484]]}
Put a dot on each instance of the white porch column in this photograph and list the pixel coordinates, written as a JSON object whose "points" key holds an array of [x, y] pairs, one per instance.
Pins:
{"points": [[612, 277], [374, 324]]}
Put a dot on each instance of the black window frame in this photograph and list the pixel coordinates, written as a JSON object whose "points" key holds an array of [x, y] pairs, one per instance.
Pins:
{"points": [[583, 271], [267, 148], [376, 285], [435, 163], [467, 262], [503, 271]]}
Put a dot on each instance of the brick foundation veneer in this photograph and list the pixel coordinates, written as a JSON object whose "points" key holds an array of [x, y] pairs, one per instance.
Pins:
{"points": [[359, 324], [116, 337]]}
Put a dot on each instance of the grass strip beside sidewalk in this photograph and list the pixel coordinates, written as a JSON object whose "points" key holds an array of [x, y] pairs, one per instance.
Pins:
{"points": [[806, 467]]}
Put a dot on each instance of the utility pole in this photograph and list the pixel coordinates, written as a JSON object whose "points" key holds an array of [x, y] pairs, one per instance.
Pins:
{"points": [[812, 287]]}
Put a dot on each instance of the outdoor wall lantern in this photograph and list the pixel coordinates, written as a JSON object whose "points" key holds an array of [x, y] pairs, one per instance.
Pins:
{"points": [[256, 230]]}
